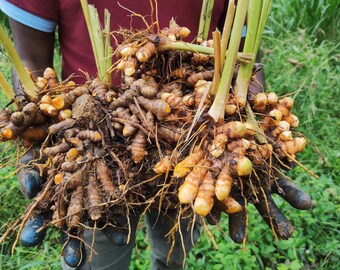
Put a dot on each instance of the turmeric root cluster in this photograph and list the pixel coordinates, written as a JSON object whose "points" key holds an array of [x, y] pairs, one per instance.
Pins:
{"points": [[280, 122], [113, 150], [229, 157]]}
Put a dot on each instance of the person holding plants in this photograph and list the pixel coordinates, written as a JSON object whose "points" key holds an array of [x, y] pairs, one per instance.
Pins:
{"points": [[33, 24]]}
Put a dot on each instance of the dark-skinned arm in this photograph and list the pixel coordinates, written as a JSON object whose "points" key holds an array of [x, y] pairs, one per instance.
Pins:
{"points": [[35, 49], [266, 206]]}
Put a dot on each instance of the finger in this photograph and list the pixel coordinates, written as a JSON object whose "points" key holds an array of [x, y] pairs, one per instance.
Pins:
{"points": [[238, 224], [118, 237], [73, 250], [273, 216], [30, 182], [29, 178], [292, 194], [29, 235]]}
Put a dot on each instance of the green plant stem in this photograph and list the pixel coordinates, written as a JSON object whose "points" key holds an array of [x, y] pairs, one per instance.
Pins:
{"points": [[216, 111], [258, 14], [100, 42], [228, 22], [8, 90], [184, 46], [85, 7], [205, 19], [251, 118], [201, 25], [30, 89], [263, 19], [168, 45], [107, 47], [217, 62]]}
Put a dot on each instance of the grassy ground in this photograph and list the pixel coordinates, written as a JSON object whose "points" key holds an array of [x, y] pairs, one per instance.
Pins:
{"points": [[310, 39]]}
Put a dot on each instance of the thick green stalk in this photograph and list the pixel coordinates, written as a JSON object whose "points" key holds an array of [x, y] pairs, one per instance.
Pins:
{"points": [[205, 19], [251, 118], [258, 14], [168, 45], [108, 77], [217, 62], [27, 83], [201, 25], [210, 8], [107, 47], [263, 19], [228, 22], [216, 111], [100, 42], [85, 7], [6, 87]]}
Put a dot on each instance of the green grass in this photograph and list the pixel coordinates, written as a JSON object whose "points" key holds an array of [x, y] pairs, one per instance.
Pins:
{"points": [[318, 18], [305, 32]]}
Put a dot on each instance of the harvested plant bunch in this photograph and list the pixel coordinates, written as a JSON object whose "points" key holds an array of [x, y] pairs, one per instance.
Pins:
{"points": [[150, 141]]}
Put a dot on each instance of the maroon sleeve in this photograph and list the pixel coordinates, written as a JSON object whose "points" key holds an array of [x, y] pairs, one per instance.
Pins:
{"points": [[74, 40], [46, 9]]}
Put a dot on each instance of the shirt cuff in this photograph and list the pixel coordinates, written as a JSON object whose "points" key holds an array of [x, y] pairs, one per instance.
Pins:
{"points": [[27, 18]]}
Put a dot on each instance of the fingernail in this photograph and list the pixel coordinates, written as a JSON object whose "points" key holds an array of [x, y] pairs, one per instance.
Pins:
{"points": [[32, 184], [72, 253], [29, 235], [237, 227]]}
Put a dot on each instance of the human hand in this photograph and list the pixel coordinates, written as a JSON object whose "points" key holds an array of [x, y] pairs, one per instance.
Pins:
{"points": [[34, 230], [285, 188], [29, 177], [272, 214], [269, 210], [34, 233], [73, 251]]}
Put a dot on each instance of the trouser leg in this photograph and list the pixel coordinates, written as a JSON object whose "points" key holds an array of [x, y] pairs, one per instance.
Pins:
{"points": [[110, 256], [158, 227]]}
